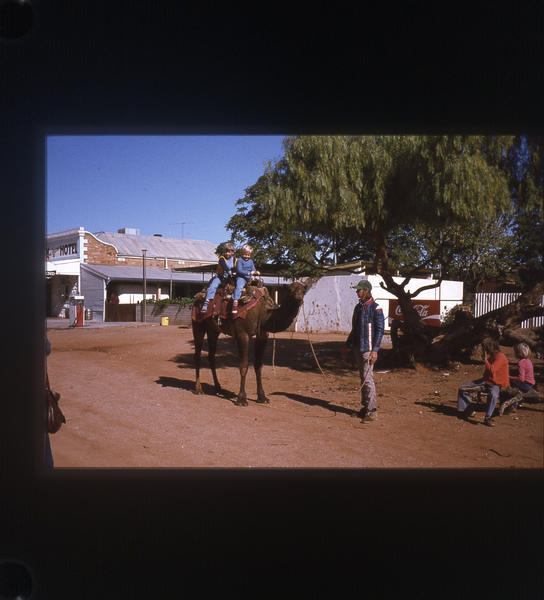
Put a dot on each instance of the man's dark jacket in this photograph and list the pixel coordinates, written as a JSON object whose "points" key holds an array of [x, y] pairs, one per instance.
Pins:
{"points": [[367, 326]]}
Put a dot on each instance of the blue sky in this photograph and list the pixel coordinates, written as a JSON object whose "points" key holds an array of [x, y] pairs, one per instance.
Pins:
{"points": [[153, 183]]}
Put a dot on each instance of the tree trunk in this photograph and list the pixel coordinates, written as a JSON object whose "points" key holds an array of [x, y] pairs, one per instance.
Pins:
{"points": [[495, 324], [413, 326], [418, 343], [534, 338]]}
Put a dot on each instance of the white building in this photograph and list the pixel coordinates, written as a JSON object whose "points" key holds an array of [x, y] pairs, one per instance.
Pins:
{"points": [[96, 265], [329, 303]]}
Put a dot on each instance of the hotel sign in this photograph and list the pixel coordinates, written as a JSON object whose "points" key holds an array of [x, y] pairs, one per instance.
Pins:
{"points": [[62, 249]]}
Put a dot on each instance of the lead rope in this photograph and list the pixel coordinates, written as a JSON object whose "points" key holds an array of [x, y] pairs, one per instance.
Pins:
{"points": [[310, 341], [274, 338], [317, 361], [314, 354], [273, 353]]}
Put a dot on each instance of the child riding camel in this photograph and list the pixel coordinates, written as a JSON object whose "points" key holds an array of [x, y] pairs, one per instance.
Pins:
{"points": [[245, 269], [225, 272]]}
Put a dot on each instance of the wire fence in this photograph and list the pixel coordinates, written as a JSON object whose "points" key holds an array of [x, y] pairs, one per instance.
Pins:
{"points": [[486, 302]]}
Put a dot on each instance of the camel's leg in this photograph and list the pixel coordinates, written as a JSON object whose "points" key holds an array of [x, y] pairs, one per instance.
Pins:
{"points": [[242, 340], [212, 347], [260, 345], [198, 337]]}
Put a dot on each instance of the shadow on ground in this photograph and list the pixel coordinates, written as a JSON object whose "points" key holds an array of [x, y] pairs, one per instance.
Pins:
{"points": [[449, 411], [185, 384], [316, 402], [292, 353]]}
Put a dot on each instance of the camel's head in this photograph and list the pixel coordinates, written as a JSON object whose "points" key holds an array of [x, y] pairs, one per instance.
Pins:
{"points": [[280, 318], [297, 290]]}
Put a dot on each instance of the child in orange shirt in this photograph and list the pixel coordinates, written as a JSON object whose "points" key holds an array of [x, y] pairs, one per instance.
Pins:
{"points": [[494, 378]]}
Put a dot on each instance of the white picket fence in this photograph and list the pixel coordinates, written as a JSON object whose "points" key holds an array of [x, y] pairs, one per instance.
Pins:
{"points": [[484, 303]]}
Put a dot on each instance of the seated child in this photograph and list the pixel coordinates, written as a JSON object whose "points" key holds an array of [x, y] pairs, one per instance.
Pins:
{"points": [[526, 375], [245, 269], [525, 379], [225, 271], [495, 377]]}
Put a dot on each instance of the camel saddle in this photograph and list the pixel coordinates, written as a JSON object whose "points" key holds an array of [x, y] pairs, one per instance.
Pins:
{"points": [[221, 305]]}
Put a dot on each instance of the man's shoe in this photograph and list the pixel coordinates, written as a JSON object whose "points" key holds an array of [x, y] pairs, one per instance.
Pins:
{"points": [[370, 416], [234, 310], [468, 412], [204, 308], [489, 422]]}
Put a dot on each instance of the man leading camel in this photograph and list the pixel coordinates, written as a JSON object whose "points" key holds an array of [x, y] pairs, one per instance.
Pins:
{"points": [[364, 341]]}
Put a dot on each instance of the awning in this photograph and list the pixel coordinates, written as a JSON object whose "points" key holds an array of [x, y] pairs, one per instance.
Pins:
{"points": [[135, 273]]}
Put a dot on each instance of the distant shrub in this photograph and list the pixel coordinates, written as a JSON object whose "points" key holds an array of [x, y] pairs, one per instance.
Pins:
{"points": [[455, 315], [167, 301], [184, 301]]}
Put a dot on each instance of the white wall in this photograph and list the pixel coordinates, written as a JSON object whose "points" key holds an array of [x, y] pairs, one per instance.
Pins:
{"points": [[65, 267], [131, 293], [135, 298], [329, 303]]}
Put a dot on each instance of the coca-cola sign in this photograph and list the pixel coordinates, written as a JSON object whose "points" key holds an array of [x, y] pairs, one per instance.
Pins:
{"points": [[428, 311]]}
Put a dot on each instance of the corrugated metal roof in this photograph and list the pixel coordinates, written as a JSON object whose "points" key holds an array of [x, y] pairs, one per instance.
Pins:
{"points": [[132, 245], [128, 273]]}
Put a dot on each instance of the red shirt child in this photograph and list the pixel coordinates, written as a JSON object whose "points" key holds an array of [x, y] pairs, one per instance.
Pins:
{"points": [[496, 369]]}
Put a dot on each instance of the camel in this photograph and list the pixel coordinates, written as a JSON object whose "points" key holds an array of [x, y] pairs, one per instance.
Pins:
{"points": [[262, 318]]}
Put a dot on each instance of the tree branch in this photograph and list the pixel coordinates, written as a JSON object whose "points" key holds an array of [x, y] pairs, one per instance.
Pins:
{"points": [[426, 287]]}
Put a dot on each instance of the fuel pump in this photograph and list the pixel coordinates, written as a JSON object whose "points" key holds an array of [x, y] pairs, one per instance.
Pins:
{"points": [[77, 311]]}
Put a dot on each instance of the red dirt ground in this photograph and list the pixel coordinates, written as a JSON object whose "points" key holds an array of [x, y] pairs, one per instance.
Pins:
{"points": [[128, 396]]}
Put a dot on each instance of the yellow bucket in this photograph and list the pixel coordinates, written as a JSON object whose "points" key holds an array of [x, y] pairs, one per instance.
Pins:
{"points": [[164, 320]]}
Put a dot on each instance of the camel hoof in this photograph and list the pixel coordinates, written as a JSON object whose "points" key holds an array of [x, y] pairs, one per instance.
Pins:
{"points": [[241, 402], [263, 400]]}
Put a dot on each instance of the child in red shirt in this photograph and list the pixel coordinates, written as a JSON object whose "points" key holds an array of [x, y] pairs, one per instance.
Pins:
{"points": [[495, 377]]}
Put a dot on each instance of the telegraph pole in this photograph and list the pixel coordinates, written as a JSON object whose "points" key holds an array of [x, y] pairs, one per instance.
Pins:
{"points": [[144, 319]]}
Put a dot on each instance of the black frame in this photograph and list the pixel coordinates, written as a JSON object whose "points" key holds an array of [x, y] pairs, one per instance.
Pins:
{"points": [[98, 68]]}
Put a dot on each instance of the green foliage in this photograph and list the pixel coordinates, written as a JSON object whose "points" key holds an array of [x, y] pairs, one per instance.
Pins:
{"points": [[473, 252], [373, 184], [184, 301], [439, 202], [449, 316], [167, 302], [525, 167]]}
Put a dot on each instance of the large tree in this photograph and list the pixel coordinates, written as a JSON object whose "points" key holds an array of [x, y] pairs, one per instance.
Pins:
{"points": [[524, 164], [406, 201], [471, 252]]}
